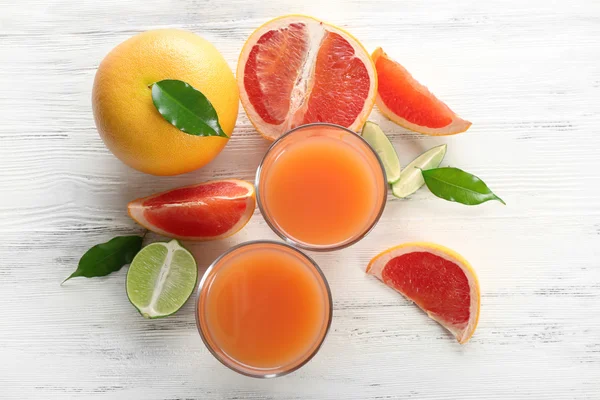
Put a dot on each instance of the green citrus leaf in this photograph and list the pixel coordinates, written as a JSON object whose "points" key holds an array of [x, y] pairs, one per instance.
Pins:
{"points": [[105, 258], [453, 184], [186, 108]]}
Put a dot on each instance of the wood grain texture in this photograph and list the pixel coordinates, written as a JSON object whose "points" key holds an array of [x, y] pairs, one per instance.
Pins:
{"points": [[527, 73]]}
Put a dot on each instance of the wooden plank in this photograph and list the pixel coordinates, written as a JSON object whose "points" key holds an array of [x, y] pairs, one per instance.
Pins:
{"points": [[526, 73]]}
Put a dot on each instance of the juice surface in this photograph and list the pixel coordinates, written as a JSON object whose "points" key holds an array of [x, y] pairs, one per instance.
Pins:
{"points": [[265, 308], [321, 191]]}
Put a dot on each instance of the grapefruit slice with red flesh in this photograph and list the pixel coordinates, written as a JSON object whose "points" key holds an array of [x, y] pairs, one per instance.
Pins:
{"points": [[401, 98], [438, 280], [206, 211], [296, 70]]}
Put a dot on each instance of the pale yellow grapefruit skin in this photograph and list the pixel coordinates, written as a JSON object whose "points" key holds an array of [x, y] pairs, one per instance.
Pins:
{"points": [[126, 117]]}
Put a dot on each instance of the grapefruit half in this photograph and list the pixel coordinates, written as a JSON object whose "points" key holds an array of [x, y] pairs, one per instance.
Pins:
{"points": [[206, 211], [435, 278], [295, 70], [401, 98]]}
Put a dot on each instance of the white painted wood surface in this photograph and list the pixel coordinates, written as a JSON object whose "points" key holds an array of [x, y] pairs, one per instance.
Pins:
{"points": [[527, 73]]}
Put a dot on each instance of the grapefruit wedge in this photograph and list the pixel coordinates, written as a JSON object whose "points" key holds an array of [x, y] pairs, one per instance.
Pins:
{"points": [[435, 278], [206, 211], [295, 70], [405, 101]]}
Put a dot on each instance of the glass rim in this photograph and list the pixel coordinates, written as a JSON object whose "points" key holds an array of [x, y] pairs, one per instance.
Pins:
{"points": [[328, 297], [306, 246]]}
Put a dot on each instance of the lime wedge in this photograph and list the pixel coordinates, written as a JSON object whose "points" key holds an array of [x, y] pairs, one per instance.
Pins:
{"points": [[161, 278], [373, 134], [410, 178]]}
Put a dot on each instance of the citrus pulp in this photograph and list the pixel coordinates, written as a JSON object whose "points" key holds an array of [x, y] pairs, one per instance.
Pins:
{"points": [[438, 280], [206, 211], [408, 103], [161, 278], [295, 70]]}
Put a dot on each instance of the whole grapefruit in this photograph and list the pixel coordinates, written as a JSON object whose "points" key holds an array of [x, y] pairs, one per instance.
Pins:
{"points": [[126, 117]]}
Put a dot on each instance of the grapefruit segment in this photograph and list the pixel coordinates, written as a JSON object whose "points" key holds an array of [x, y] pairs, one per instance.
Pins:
{"points": [[438, 280], [206, 211], [337, 65], [295, 70], [408, 103], [269, 77]]}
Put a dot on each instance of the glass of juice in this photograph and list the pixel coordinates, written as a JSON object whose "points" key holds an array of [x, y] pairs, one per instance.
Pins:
{"points": [[321, 187], [264, 309]]}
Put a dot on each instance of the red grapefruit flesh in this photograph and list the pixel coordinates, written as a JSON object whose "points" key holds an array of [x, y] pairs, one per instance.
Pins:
{"points": [[296, 70], [207, 211], [408, 103], [438, 280]]}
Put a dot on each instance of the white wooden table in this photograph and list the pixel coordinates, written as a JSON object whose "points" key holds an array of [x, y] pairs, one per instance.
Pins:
{"points": [[527, 73]]}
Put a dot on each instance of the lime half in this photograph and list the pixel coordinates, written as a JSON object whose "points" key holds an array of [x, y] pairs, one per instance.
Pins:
{"points": [[161, 278], [373, 134], [411, 178]]}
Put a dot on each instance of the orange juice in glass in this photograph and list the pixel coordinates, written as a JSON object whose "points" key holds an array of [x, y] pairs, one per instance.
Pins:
{"points": [[321, 187], [264, 309]]}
